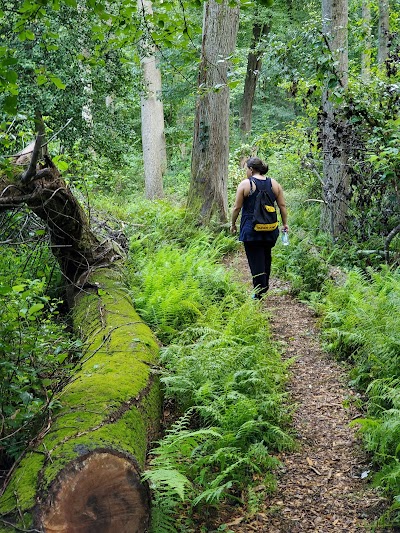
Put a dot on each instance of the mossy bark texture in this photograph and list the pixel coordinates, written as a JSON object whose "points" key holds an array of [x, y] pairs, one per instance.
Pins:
{"points": [[84, 474]]}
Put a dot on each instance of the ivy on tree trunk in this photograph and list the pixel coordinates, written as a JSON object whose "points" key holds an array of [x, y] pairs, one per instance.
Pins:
{"points": [[334, 128]]}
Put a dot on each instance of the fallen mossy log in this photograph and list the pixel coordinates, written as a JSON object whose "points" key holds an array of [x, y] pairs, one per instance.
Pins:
{"points": [[83, 474]]}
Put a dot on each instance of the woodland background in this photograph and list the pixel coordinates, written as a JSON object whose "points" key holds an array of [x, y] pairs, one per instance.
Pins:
{"points": [[148, 111]]}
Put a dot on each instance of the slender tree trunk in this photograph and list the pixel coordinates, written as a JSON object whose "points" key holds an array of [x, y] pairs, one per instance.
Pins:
{"points": [[152, 111], [383, 32], [208, 188], [254, 61], [366, 53], [333, 127]]}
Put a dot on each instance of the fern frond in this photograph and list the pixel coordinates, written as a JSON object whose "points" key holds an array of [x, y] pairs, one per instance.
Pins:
{"points": [[213, 495], [168, 480]]}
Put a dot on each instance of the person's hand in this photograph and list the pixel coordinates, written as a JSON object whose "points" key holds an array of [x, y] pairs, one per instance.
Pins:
{"points": [[285, 228], [233, 229]]}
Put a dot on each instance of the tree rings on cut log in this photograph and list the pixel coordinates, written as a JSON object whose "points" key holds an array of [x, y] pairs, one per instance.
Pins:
{"points": [[99, 493]]}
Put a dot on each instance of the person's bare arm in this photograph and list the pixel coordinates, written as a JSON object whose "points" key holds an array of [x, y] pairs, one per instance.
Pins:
{"points": [[280, 200], [243, 190]]}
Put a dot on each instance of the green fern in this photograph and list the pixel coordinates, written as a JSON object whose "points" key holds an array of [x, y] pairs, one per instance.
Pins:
{"points": [[213, 494], [362, 324], [170, 481], [219, 368]]}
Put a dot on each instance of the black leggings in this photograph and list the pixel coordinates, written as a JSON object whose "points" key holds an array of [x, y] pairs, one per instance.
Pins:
{"points": [[259, 258]]}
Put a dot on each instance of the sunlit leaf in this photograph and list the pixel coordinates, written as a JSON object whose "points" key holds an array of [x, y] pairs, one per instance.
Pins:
{"points": [[35, 308], [57, 82]]}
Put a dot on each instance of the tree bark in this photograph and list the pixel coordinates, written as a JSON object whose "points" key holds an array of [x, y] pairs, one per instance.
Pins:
{"points": [[383, 32], [77, 249], [366, 52], [334, 135], [210, 154], [152, 112], [83, 471], [254, 62]]}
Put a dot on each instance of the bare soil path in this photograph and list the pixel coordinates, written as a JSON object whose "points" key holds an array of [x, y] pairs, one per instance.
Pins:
{"points": [[322, 486]]}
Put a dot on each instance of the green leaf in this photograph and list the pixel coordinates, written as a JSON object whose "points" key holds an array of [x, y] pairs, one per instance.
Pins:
{"points": [[26, 397], [62, 357], [10, 61], [35, 308], [41, 79], [57, 82], [5, 290], [11, 76], [18, 288], [10, 105], [62, 166], [233, 84]]}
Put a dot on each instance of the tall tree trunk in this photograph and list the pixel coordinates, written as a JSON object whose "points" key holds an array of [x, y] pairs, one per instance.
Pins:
{"points": [[383, 32], [210, 154], [333, 127], [366, 52], [152, 111], [254, 61]]}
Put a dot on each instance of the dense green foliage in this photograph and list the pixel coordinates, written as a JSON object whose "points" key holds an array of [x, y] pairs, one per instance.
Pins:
{"points": [[80, 61], [361, 324], [36, 352]]}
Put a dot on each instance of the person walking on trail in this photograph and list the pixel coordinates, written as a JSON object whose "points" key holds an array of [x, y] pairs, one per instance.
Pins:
{"points": [[257, 244]]}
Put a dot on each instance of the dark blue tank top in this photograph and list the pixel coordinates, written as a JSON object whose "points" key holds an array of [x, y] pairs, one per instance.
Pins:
{"points": [[246, 223]]}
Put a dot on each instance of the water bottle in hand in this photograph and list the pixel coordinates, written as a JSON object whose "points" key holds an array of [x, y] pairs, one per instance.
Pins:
{"points": [[285, 238]]}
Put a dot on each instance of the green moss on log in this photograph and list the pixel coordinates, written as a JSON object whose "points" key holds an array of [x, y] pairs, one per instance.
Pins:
{"points": [[113, 402]]}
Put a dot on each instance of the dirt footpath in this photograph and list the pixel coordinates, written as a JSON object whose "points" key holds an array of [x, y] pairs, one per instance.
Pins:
{"points": [[323, 486]]}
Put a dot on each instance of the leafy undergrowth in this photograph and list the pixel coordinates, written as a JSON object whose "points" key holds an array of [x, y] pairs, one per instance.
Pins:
{"points": [[37, 355], [220, 370], [362, 325]]}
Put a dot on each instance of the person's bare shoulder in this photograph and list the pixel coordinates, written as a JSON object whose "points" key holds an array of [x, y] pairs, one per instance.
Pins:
{"points": [[277, 189], [245, 186]]}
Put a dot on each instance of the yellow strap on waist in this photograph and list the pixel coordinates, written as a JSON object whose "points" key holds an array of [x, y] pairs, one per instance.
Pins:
{"points": [[266, 227]]}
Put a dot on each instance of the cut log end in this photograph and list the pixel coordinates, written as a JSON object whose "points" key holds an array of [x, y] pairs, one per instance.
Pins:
{"points": [[101, 493]]}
